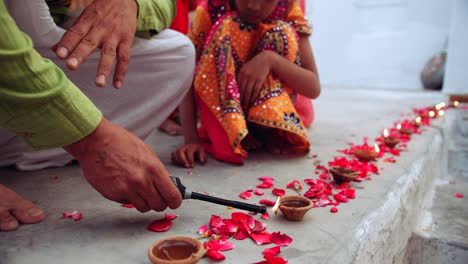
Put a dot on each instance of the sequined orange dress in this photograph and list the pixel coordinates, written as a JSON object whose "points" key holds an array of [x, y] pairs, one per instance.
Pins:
{"points": [[223, 44]]}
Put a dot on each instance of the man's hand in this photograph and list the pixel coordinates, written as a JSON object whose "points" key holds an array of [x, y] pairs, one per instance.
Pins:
{"points": [[125, 169], [106, 24], [252, 77]]}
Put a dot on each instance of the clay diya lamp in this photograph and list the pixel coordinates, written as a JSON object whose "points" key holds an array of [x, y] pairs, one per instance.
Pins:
{"points": [[176, 250], [406, 131], [390, 141], [454, 104], [367, 154], [341, 174], [294, 207]]}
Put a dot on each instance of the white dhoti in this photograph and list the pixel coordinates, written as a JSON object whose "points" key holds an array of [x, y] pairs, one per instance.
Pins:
{"points": [[159, 75]]}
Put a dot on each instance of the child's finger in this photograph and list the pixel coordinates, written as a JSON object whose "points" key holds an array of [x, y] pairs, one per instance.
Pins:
{"points": [[182, 158], [248, 93], [202, 156], [190, 157], [256, 92]]}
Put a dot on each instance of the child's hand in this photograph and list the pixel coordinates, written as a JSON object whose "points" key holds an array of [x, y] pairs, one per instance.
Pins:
{"points": [[186, 155], [252, 76]]}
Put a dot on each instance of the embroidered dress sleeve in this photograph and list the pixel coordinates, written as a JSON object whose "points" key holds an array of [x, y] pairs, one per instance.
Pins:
{"points": [[37, 101], [199, 29], [154, 16], [297, 20]]}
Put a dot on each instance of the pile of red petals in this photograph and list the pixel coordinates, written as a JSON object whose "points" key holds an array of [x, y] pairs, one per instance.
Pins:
{"points": [[267, 182], [162, 225], [75, 215], [240, 226]]}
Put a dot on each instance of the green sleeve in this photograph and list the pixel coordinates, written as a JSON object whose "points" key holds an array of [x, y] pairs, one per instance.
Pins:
{"points": [[154, 16], [37, 101]]}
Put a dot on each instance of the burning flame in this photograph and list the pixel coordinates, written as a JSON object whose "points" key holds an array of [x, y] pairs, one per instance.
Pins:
{"points": [[385, 133], [431, 113], [398, 126], [438, 107], [442, 104], [441, 112], [276, 206], [455, 103], [418, 119], [377, 149]]}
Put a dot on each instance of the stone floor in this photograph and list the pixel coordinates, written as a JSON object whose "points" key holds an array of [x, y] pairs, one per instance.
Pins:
{"points": [[373, 228]]}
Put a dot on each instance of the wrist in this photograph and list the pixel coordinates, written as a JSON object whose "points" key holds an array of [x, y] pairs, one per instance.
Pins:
{"points": [[269, 59], [81, 147]]}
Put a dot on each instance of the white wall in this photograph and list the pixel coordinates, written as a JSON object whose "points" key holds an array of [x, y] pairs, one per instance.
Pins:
{"points": [[376, 43], [456, 76]]}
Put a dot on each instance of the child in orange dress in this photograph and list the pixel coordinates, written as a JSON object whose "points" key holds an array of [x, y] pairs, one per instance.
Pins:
{"points": [[254, 79]]}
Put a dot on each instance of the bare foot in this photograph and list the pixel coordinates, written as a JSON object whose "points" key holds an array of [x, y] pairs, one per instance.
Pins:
{"points": [[14, 210], [250, 143], [171, 127]]}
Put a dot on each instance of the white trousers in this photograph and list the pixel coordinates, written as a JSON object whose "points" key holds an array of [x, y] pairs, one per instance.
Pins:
{"points": [[159, 75]]}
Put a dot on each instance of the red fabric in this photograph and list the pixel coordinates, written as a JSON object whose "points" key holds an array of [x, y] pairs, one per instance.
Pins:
{"points": [[181, 19]]}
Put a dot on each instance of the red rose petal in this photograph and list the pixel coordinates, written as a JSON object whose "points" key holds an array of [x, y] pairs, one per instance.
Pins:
{"points": [[334, 210], [273, 251], [278, 192], [265, 216], [266, 178], [245, 195], [265, 185], [161, 225], [459, 195], [170, 217], [261, 238], [202, 230], [215, 221], [258, 192], [275, 260], [280, 239], [241, 234], [267, 202], [215, 255], [128, 205], [75, 215], [295, 185]]}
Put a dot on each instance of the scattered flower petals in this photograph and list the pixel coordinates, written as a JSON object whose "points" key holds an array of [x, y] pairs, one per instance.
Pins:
{"points": [[265, 216], [267, 202], [160, 225], [202, 230], [75, 215], [459, 195], [215, 255], [266, 178], [258, 192], [273, 251], [334, 210], [278, 192], [265, 185], [170, 217], [246, 195], [295, 185], [280, 239], [261, 238], [128, 205], [275, 260]]}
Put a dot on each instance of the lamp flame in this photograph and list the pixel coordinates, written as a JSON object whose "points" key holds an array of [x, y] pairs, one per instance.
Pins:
{"points": [[441, 112], [438, 107], [398, 126], [418, 119], [431, 113], [377, 149], [385, 133], [455, 103], [276, 206], [442, 104]]}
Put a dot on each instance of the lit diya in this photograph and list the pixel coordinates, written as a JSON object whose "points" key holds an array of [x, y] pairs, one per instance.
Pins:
{"points": [[176, 250], [390, 141], [405, 130], [417, 122], [367, 154], [454, 104], [294, 207], [341, 174]]}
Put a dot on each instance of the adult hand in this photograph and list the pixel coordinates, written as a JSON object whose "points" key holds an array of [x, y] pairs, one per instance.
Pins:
{"points": [[186, 155], [106, 24], [252, 76], [124, 169]]}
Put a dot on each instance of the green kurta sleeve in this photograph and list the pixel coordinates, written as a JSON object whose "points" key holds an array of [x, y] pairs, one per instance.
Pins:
{"points": [[37, 101], [154, 16]]}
